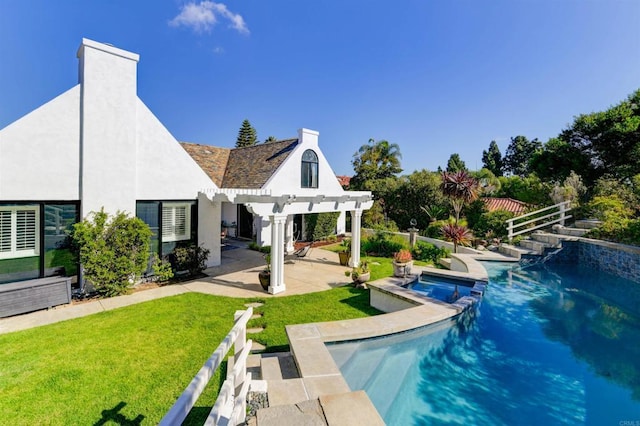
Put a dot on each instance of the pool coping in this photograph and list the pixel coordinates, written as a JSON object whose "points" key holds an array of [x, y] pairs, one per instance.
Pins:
{"points": [[308, 342], [320, 374]]}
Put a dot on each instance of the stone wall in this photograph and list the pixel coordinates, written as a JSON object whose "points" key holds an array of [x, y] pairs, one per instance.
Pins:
{"points": [[617, 259]]}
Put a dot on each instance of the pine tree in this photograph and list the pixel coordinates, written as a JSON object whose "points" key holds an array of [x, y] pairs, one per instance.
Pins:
{"points": [[492, 159], [455, 164], [271, 139], [246, 135]]}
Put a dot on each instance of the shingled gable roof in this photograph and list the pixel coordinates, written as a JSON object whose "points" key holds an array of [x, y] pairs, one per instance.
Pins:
{"points": [[252, 166], [212, 159], [248, 167]]}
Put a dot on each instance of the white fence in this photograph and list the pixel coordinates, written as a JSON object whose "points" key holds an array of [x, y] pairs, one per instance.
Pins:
{"points": [[558, 215], [230, 407]]}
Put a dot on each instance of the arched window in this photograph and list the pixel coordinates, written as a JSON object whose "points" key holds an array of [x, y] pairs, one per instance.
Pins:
{"points": [[309, 177]]}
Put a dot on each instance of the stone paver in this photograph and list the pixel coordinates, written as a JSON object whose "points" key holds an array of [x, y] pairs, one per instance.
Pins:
{"points": [[338, 410], [284, 392], [307, 413], [257, 347]]}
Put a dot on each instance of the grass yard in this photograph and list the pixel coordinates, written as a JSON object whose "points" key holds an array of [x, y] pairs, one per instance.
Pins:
{"points": [[129, 365]]}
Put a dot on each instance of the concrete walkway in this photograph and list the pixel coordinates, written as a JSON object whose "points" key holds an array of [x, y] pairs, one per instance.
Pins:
{"points": [[237, 276]]}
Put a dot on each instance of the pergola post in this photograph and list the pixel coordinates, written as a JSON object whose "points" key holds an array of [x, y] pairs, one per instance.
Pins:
{"points": [[277, 254], [356, 224], [289, 235]]}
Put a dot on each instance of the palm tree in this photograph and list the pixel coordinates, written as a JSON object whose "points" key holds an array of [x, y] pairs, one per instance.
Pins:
{"points": [[375, 161], [458, 235], [461, 188]]}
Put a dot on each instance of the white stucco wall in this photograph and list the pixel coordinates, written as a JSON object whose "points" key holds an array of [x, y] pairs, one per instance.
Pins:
{"points": [[164, 170], [209, 228], [40, 152], [108, 133], [287, 178]]}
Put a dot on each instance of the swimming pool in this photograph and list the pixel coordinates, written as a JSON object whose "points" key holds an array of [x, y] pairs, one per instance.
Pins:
{"points": [[441, 288], [547, 345]]}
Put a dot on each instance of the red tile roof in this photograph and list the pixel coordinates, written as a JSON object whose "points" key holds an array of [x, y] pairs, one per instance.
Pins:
{"points": [[344, 181], [508, 204]]}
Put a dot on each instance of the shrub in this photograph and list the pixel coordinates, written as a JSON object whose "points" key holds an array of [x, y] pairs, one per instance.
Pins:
{"points": [[113, 251], [617, 222], [631, 235], [434, 230], [255, 247], [493, 224], [161, 269], [190, 258], [320, 225], [427, 252], [384, 244], [474, 211]]}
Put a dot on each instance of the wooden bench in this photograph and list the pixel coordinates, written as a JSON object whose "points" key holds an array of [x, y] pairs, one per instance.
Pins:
{"points": [[31, 295]]}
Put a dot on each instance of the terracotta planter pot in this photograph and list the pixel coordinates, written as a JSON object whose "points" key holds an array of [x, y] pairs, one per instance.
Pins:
{"points": [[265, 279], [401, 270]]}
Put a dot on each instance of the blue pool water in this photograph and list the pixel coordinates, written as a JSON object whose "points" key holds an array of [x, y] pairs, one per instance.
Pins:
{"points": [[441, 288], [545, 346]]}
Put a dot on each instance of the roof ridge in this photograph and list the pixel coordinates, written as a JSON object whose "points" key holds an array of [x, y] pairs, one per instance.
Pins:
{"points": [[265, 144]]}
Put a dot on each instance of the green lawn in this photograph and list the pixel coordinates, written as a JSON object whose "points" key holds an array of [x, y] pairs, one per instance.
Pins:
{"points": [[131, 364]]}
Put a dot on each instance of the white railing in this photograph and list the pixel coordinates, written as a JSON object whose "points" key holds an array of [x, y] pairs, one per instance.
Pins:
{"points": [[230, 407], [560, 216]]}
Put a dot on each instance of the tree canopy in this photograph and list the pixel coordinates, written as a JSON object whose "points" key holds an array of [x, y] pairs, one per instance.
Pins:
{"points": [[519, 152], [247, 135], [610, 139], [455, 164], [375, 161], [492, 159]]}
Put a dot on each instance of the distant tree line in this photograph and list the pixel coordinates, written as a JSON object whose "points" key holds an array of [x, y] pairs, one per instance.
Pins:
{"points": [[594, 162]]}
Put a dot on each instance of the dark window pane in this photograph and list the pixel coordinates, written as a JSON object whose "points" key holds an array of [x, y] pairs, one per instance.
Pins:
{"points": [[149, 212], [309, 170], [58, 226], [22, 268]]}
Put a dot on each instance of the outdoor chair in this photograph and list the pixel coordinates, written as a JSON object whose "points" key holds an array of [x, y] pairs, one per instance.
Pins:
{"points": [[300, 253]]}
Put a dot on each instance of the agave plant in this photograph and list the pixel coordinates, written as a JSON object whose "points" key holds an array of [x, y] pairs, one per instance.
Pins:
{"points": [[461, 188], [458, 235]]}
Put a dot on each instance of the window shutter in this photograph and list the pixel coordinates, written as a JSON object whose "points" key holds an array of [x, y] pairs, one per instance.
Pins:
{"points": [[176, 222], [26, 237], [167, 222], [5, 231], [180, 222]]}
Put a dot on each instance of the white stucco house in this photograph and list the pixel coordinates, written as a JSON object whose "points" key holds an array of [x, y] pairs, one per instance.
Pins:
{"points": [[97, 145]]}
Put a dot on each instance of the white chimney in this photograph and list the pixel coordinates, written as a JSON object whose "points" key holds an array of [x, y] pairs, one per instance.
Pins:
{"points": [[108, 104]]}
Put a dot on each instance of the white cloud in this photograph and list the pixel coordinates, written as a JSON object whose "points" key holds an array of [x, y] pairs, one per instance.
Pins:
{"points": [[203, 16], [218, 50]]}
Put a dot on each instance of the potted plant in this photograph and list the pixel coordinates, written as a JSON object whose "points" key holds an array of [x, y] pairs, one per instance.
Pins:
{"points": [[359, 274], [265, 275], [345, 252], [402, 263]]}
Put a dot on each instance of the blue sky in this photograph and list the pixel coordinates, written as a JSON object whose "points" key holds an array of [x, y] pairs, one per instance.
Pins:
{"points": [[435, 77]]}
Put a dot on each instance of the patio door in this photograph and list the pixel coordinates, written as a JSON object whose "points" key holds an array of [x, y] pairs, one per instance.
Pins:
{"points": [[245, 222]]}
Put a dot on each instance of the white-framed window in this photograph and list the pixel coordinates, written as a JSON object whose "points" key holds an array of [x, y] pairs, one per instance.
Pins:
{"points": [[19, 231], [176, 221]]}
